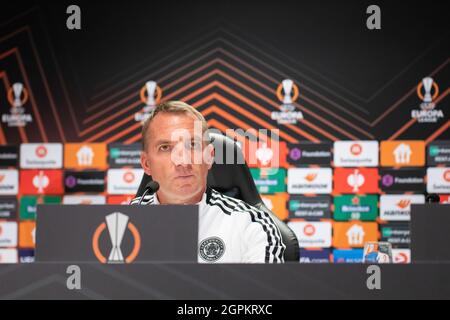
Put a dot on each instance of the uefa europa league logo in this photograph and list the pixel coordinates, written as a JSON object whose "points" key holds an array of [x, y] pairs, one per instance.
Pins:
{"points": [[287, 92], [17, 97], [150, 94], [427, 85], [117, 224]]}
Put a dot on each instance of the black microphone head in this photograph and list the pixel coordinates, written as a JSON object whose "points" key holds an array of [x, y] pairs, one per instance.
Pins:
{"points": [[432, 198], [152, 186]]}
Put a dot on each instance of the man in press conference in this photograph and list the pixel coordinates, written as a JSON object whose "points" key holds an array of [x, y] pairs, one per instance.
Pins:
{"points": [[177, 153]]}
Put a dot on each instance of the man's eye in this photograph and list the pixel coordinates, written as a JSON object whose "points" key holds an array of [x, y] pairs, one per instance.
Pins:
{"points": [[164, 148], [195, 145]]}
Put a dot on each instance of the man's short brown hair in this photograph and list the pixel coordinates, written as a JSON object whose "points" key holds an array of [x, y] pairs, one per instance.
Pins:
{"points": [[172, 107]]}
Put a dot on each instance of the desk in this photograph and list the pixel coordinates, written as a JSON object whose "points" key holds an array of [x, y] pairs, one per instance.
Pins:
{"points": [[232, 281]]}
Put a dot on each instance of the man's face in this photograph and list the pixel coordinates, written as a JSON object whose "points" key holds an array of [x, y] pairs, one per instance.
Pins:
{"points": [[177, 157]]}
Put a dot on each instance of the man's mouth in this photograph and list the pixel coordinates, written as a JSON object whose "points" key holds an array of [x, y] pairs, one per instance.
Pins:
{"points": [[186, 176]]}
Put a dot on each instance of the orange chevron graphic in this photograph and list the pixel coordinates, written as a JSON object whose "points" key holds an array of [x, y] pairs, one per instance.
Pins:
{"points": [[254, 92]]}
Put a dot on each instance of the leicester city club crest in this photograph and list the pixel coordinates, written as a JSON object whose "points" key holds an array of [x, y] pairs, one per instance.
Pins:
{"points": [[212, 249]]}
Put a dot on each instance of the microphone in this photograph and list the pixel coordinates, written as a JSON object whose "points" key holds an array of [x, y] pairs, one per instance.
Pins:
{"points": [[150, 188], [432, 198]]}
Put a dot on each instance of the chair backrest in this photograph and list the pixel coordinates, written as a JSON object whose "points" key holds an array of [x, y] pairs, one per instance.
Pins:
{"points": [[230, 175]]}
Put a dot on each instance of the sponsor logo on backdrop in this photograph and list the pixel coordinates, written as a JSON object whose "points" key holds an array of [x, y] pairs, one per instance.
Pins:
{"points": [[348, 256], [438, 180], [85, 155], [150, 95], [124, 181], [356, 180], [8, 256], [8, 234], [428, 91], [41, 182], [444, 198], [310, 208], [265, 154], [9, 182], [398, 207], [9, 156], [309, 180], [354, 234], [120, 199], [402, 180], [17, 97], [26, 256], [402, 153], [396, 233], [117, 224], [312, 234], [353, 207], [401, 256], [277, 204], [28, 205], [355, 154], [84, 181], [27, 234], [438, 153], [84, 199], [315, 256], [8, 207], [269, 180], [41, 155], [287, 93], [306, 153], [121, 155]]}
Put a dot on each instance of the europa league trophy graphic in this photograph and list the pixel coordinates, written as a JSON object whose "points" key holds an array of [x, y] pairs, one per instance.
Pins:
{"points": [[287, 88], [17, 102], [117, 224], [151, 88], [427, 83], [287, 99]]}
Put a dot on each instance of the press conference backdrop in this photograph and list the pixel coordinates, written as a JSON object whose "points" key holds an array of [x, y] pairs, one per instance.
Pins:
{"points": [[362, 115]]}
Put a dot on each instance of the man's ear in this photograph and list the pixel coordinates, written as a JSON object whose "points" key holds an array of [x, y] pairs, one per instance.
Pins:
{"points": [[145, 164], [209, 155]]}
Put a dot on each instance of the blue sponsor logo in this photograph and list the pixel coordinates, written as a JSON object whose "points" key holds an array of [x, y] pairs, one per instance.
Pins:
{"points": [[314, 256], [348, 256], [26, 256]]}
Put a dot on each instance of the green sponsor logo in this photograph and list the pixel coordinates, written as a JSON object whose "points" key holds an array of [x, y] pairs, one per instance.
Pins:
{"points": [[434, 151], [269, 180], [114, 153], [353, 207], [386, 232], [28, 205]]}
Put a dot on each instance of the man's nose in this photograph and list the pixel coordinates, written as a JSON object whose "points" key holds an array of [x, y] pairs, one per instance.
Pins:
{"points": [[180, 156]]}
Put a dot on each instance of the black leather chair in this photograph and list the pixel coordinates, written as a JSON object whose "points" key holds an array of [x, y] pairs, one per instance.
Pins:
{"points": [[236, 181]]}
